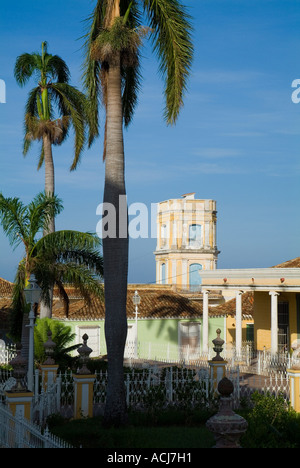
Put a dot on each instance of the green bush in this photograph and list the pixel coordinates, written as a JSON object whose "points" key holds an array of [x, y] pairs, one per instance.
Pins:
{"points": [[272, 423]]}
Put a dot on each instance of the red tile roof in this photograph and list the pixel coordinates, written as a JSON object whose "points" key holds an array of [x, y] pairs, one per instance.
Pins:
{"points": [[5, 288], [294, 263]]}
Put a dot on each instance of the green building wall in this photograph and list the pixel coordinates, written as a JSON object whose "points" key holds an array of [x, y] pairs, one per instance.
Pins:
{"points": [[155, 333]]}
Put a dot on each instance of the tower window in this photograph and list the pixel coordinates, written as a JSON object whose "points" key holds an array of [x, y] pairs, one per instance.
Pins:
{"points": [[195, 235], [194, 276]]}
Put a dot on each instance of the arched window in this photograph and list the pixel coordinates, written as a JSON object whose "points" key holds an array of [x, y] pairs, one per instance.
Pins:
{"points": [[195, 276], [163, 235], [195, 235]]}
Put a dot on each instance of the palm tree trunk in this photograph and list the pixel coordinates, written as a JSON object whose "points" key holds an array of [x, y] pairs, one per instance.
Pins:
{"points": [[49, 176], [46, 309], [115, 253]]}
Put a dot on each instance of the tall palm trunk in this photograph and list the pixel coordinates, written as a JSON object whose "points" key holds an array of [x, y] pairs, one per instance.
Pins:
{"points": [[49, 177], [46, 309], [115, 252]]}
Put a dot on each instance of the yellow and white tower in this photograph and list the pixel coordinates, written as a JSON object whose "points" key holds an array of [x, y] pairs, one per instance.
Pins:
{"points": [[186, 241]]}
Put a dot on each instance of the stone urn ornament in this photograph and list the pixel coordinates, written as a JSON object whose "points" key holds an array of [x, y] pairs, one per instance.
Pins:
{"points": [[226, 426], [19, 365], [218, 346], [84, 352]]}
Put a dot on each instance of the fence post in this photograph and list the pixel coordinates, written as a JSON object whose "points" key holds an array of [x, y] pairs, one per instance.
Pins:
{"points": [[84, 384], [294, 376], [217, 364], [49, 368], [19, 399]]}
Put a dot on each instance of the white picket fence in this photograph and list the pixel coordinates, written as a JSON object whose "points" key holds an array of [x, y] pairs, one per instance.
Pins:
{"points": [[18, 432], [187, 377]]}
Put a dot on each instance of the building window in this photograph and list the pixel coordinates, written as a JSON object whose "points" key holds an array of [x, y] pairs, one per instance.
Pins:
{"points": [[250, 332], [195, 236], [163, 235], [189, 340], [195, 276], [283, 326]]}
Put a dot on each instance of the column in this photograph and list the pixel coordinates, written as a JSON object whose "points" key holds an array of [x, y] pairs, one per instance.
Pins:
{"points": [[274, 321], [238, 324], [84, 384], [205, 323]]}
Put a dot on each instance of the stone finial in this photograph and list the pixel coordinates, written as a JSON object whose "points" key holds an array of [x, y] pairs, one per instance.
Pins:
{"points": [[84, 352], [218, 346], [19, 365], [226, 426], [49, 346]]}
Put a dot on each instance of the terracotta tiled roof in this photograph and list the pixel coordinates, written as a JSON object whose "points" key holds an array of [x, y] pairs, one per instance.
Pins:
{"points": [[4, 312], [156, 302], [229, 307], [5, 288], [294, 263]]}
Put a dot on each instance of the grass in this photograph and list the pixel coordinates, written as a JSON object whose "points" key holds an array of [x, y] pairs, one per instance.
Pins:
{"points": [[146, 431]]}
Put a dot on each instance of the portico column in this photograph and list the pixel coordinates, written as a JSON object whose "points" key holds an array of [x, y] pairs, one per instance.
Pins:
{"points": [[274, 321], [205, 323], [238, 323]]}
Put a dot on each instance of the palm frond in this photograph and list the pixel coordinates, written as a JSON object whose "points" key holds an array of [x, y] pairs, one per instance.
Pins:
{"points": [[171, 39], [26, 65], [18, 304], [63, 241], [57, 68], [91, 68], [131, 85], [14, 221], [42, 208], [41, 158], [73, 103]]}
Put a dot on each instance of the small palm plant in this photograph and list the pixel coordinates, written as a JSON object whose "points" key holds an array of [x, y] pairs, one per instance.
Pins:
{"points": [[57, 259], [61, 335]]}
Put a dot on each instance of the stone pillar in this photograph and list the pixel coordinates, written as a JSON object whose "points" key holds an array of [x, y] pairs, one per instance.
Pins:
{"points": [[294, 376], [274, 321], [226, 426], [217, 364], [238, 324], [84, 384], [19, 398], [205, 323], [49, 368]]}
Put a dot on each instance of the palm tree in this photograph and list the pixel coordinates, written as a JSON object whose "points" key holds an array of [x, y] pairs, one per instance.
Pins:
{"points": [[112, 74], [52, 93], [56, 259]]}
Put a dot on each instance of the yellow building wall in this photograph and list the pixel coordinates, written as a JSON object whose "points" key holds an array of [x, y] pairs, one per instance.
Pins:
{"points": [[262, 318], [231, 329]]}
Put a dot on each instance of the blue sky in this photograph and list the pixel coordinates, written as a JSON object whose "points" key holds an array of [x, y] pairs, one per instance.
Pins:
{"points": [[237, 139]]}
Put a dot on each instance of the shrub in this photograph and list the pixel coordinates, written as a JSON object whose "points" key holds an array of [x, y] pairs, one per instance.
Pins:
{"points": [[272, 423]]}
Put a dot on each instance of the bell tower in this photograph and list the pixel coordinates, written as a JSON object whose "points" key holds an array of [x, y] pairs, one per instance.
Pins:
{"points": [[186, 241]]}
